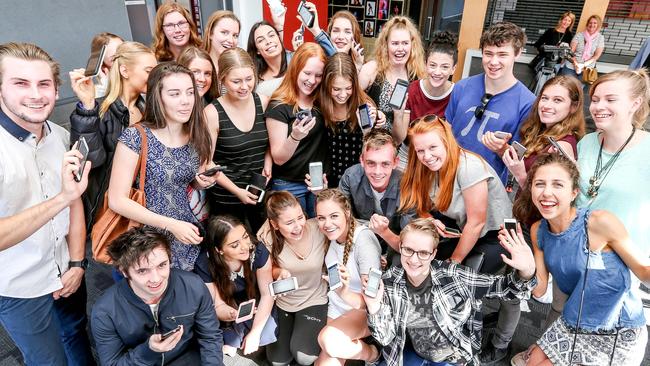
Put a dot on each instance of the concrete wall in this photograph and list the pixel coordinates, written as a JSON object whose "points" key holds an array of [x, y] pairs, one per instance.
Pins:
{"points": [[624, 36]]}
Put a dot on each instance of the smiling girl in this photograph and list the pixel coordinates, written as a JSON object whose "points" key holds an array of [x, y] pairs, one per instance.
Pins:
{"points": [[271, 59], [221, 33], [175, 30], [199, 62]]}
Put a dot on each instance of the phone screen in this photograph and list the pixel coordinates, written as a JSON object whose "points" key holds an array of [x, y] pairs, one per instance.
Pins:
{"points": [[83, 149], [316, 174], [510, 224], [283, 286], [333, 274], [364, 116], [397, 98], [95, 62], [373, 283], [245, 309], [306, 15]]}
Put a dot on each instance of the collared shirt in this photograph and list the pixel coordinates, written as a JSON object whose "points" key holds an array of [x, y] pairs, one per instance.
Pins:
{"points": [[355, 185], [30, 173], [456, 294]]}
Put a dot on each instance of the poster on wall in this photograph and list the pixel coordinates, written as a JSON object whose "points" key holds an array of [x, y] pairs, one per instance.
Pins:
{"points": [[371, 8], [369, 28], [356, 2], [372, 14]]}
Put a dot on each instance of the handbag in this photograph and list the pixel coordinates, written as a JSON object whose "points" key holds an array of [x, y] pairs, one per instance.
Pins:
{"points": [[109, 224], [589, 75], [474, 260], [198, 203]]}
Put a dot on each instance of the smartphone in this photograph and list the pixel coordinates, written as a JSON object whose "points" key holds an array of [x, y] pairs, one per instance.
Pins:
{"points": [[374, 276], [276, 7], [501, 134], [334, 276], [283, 286], [556, 146], [82, 146], [306, 15], [510, 224], [212, 171], [399, 93], [520, 149], [257, 186], [246, 311], [364, 117], [95, 62], [316, 174], [451, 230], [166, 335], [303, 113]]}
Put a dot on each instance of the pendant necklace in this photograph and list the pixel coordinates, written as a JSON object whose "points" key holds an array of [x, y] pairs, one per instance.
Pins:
{"points": [[600, 173]]}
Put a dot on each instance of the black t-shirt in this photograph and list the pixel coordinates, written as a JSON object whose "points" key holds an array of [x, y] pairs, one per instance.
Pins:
{"points": [[312, 148]]}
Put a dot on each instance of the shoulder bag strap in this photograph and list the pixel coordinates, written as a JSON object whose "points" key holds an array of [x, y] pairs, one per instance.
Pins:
{"points": [[142, 159]]}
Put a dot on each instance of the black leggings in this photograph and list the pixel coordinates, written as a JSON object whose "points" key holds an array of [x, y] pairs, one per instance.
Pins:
{"points": [[298, 336]]}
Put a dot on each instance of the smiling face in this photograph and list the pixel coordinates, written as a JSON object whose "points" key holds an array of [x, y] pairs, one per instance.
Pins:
{"points": [[310, 76], [202, 70], [177, 29], [592, 26], [378, 165], [342, 35], [566, 22], [240, 82], [291, 223], [499, 61], [149, 277], [430, 150], [332, 220], [28, 90], [555, 105], [341, 90], [439, 67], [177, 96], [267, 42], [552, 191], [237, 245], [224, 35], [399, 46], [612, 106], [417, 241]]}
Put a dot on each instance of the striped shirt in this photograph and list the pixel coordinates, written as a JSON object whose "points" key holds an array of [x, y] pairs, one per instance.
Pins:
{"points": [[242, 152], [456, 294]]}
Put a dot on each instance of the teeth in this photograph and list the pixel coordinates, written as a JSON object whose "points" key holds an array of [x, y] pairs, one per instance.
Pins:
{"points": [[35, 106], [330, 230]]}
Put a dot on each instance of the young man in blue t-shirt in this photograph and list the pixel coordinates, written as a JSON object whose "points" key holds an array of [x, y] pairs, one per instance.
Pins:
{"points": [[492, 101], [485, 112]]}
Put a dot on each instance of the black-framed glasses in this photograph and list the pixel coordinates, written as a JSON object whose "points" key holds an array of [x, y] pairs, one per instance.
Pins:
{"points": [[184, 25], [423, 255], [480, 110]]}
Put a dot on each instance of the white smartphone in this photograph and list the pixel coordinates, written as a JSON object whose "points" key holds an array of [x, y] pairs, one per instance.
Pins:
{"points": [[83, 149], [283, 286], [520, 149], [334, 276], [510, 224], [316, 174], [500, 134], [306, 15], [276, 7], [246, 311], [374, 276]]}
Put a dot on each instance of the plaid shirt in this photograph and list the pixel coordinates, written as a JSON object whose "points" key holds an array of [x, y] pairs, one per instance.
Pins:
{"points": [[456, 296]]}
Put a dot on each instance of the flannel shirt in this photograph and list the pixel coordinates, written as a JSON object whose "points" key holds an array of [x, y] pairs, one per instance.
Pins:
{"points": [[457, 294]]}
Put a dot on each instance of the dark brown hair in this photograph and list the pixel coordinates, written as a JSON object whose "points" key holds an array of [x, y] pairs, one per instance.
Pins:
{"points": [[190, 54], [260, 63], [501, 33], [136, 244], [276, 203], [444, 42]]}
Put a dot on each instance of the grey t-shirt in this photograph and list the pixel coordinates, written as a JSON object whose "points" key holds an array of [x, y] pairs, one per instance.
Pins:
{"points": [[472, 170]]}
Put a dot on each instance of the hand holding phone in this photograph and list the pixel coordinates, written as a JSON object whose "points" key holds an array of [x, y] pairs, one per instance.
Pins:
{"points": [[501, 134], [364, 117], [510, 224], [283, 286], [212, 171], [520, 149], [396, 100], [95, 62], [557, 146], [334, 276], [307, 16], [374, 279], [246, 311], [82, 146], [316, 175], [168, 334]]}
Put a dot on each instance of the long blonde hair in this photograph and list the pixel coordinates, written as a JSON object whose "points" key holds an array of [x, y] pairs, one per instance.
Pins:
{"points": [[639, 86], [215, 18], [234, 58], [415, 63], [126, 54]]}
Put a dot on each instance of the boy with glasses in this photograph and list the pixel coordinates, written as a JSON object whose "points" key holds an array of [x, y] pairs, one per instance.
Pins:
{"points": [[486, 110]]}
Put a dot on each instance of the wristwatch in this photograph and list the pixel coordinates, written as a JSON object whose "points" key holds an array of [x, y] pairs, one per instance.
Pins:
{"points": [[83, 264]]}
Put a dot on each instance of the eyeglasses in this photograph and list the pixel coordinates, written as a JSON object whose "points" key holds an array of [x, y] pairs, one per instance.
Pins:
{"points": [[184, 25], [485, 99], [408, 252]]}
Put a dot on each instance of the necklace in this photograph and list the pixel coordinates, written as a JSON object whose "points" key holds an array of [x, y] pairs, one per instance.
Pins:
{"points": [[600, 173], [298, 254]]}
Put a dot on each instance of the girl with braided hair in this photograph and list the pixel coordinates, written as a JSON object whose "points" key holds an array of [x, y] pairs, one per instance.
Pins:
{"points": [[356, 249]]}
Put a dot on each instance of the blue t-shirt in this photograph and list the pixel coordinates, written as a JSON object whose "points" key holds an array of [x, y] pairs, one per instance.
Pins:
{"points": [[505, 112], [258, 259]]}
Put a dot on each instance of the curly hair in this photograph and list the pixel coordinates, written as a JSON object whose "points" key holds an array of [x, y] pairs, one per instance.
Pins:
{"points": [[160, 43], [499, 34], [415, 63]]}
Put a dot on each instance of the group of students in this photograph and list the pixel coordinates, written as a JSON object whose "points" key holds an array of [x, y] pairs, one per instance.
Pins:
{"points": [[421, 196]]}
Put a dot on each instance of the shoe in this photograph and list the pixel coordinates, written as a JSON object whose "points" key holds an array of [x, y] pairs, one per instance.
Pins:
{"points": [[491, 355], [520, 359]]}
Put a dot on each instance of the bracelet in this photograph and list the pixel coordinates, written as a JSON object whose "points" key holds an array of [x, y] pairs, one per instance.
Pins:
{"points": [[293, 138]]}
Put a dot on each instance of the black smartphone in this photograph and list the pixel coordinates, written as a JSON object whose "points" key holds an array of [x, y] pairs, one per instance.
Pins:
{"points": [[399, 93], [212, 171], [334, 276], [556, 146], [95, 62], [166, 335], [451, 230], [303, 113], [306, 15], [257, 186], [364, 117], [82, 146]]}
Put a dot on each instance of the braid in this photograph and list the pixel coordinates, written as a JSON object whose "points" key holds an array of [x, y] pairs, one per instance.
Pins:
{"points": [[340, 199], [349, 241]]}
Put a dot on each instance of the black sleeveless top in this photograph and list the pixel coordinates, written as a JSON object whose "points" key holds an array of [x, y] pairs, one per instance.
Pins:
{"points": [[242, 152]]}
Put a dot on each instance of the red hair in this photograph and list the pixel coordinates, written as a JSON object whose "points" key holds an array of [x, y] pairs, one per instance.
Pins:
{"points": [[287, 92]]}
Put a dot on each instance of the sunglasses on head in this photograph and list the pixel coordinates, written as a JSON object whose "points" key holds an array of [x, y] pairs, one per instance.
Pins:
{"points": [[480, 110]]}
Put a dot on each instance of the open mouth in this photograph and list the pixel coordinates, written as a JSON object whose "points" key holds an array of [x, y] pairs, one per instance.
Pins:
{"points": [[399, 56], [271, 48], [602, 115], [35, 106], [545, 204]]}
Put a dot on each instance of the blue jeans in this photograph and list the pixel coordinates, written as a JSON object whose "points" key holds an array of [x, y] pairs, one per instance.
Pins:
{"points": [[412, 359], [299, 190], [49, 332]]}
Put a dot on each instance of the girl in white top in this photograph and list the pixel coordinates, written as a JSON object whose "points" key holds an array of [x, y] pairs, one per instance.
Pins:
{"points": [[356, 250]]}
